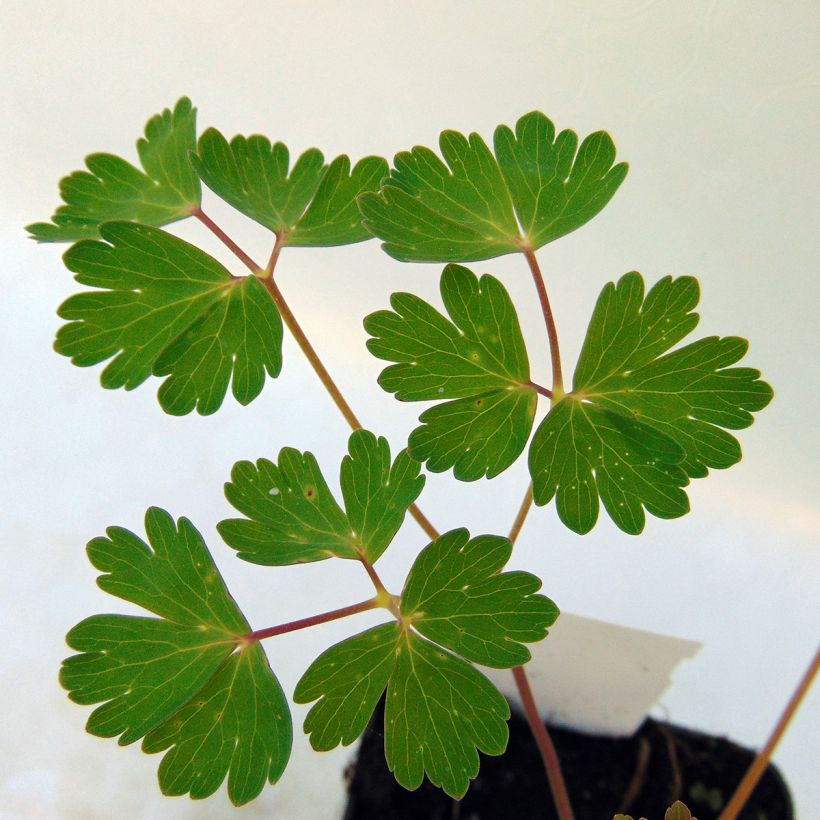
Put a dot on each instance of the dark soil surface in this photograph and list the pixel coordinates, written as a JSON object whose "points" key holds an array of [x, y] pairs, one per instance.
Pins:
{"points": [[641, 775]]}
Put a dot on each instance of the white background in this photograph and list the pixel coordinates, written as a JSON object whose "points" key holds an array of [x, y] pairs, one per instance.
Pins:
{"points": [[715, 105]]}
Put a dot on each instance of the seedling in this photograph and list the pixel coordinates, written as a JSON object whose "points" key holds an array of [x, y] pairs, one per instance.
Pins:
{"points": [[649, 410]]}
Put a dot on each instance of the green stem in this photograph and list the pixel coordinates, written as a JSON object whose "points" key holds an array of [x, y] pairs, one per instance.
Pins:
{"points": [[313, 620]]}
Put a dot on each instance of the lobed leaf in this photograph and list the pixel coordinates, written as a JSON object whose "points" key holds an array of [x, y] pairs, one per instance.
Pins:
{"points": [[292, 516], [477, 356], [312, 204], [166, 190], [457, 596], [641, 421], [166, 308], [188, 681], [476, 205], [439, 709]]}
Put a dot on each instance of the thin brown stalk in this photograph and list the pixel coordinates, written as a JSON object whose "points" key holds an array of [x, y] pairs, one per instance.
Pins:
{"points": [[545, 746], [761, 762]]}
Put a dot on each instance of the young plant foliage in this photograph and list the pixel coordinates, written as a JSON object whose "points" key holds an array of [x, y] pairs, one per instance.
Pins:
{"points": [[475, 205], [640, 420], [292, 516], [166, 190], [187, 681], [476, 356], [166, 308], [313, 205], [440, 710]]}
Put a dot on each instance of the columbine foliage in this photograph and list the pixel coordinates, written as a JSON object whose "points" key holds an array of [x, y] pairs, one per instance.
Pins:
{"points": [[187, 681], [166, 190], [476, 357], [642, 419]]}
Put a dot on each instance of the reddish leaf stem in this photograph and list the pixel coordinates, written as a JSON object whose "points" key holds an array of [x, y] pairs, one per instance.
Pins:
{"points": [[234, 248], [539, 388], [303, 623], [545, 746], [549, 320], [301, 339], [761, 762]]}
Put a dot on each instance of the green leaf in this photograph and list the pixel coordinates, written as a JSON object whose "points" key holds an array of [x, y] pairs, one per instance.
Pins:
{"points": [[439, 708], [641, 421], [536, 188], [347, 680], [292, 516], [313, 204], [457, 596], [237, 725], [167, 308], [167, 189], [440, 712], [477, 356], [187, 679]]}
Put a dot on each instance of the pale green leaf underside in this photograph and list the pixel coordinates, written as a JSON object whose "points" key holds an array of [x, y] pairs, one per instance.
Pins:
{"points": [[641, 420], [476, 205], [166, 308], [457, 596], [167, 189], [311, 204], [477, 356], [292, 516], [439, 710], [178, 680], [238, 725]]}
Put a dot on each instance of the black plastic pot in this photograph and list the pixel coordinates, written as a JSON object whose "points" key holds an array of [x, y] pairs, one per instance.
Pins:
{"points": [[641, 775]]}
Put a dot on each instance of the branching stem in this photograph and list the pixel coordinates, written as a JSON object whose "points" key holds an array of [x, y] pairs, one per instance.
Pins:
{"points": [[229, 243], [300, 337], [555, 777], [304, 623], [761, 762]]}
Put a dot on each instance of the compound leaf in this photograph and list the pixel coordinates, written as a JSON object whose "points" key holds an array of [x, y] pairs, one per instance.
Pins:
{"points": [[312, 204], [166, 190], [187, 678], [477, 356], [439, 709], [641, 421], [457, 596], [292, 516], [476, 205], [169, 309]]}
